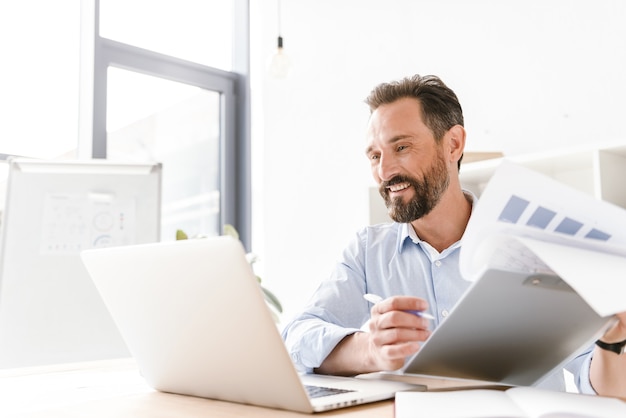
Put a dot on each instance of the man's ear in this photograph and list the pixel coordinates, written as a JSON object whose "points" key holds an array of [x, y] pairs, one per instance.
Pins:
{"points": [[455, 138]]}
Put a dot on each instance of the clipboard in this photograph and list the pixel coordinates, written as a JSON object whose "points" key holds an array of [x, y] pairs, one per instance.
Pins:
{"points": [[510, 328]]}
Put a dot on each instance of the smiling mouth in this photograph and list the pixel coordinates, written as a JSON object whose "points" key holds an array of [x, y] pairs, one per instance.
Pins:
{"points": [[398, 187]]}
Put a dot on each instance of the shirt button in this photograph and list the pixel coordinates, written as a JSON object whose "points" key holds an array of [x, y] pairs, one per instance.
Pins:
{"points": [[438, 263], [444, 313]]}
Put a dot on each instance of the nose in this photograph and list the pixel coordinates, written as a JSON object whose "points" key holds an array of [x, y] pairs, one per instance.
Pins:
{"points": [[386, 168]]}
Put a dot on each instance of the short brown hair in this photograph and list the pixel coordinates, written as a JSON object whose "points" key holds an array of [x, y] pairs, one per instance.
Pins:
{"points": [[441, 109]]}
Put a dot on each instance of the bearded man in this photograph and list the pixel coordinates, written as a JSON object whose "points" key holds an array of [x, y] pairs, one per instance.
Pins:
{"points": [[415, 143]]}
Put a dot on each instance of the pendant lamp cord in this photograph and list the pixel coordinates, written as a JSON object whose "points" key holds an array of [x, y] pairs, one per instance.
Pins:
{"points": [[280, 38]]}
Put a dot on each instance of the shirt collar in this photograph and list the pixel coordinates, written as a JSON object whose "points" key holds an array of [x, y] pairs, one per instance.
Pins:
{"points": [[406, 231]]}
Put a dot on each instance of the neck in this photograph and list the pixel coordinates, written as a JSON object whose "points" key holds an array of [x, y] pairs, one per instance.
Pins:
{"points": [[446, 224]]}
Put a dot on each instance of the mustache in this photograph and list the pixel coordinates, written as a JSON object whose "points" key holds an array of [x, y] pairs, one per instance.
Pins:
{"points": [[383, 188]]}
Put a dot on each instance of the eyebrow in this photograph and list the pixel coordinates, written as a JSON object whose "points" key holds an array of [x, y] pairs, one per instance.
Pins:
{"points": [[393, 140]]}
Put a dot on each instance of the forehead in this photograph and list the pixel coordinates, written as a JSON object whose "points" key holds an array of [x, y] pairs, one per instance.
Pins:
{"points": [[400, 119]]}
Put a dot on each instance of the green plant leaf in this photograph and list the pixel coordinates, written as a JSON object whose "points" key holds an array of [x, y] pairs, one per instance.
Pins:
{"points": [[272, 300], [230, 230]]}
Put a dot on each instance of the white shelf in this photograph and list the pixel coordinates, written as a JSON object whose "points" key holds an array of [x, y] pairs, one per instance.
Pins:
{"points": [[597, 170]]}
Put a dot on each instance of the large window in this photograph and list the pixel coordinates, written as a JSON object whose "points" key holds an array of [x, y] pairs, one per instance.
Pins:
{"points": [[174, 28], [178, 125], [161, 80], [177, 96]]}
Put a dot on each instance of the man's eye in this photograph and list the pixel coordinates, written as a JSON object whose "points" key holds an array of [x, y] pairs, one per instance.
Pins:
{"points": [[374, 157], [401, 147]]}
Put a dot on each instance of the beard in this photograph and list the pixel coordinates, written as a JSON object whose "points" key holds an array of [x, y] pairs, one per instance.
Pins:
{"points": [[427, 195]]}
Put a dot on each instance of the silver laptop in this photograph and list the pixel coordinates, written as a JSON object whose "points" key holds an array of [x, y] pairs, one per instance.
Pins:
{"points": [[509, 328], [195, 320]]}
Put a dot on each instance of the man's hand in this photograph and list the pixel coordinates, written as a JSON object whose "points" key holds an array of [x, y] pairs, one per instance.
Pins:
{"points": [[620, 327], [608, 369], [394, 333]]}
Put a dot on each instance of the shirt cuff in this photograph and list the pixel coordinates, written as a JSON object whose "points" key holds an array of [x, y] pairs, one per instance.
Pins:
{"points": [[311, 354], [584, 379]]}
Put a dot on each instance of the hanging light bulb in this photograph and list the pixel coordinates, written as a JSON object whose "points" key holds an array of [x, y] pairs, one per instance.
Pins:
{"points": [[280, 63]]}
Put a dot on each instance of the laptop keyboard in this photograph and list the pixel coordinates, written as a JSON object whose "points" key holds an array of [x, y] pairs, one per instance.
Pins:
{"points": [[319, 391]]}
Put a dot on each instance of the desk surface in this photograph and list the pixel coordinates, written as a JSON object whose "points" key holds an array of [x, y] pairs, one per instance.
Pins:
{"points": [[114, 388]]}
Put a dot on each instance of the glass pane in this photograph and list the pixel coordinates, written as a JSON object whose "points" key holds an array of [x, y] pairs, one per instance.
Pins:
{"points": [[194, 30], [38, 78], [152, 119]]}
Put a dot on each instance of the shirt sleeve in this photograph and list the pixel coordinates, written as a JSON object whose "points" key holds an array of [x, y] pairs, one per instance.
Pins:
{"points": [[583, 380], [336, 309], [579, 367]]}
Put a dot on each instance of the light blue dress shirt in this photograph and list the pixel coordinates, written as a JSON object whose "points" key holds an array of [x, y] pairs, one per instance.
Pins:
{"points": [[388, 260]]}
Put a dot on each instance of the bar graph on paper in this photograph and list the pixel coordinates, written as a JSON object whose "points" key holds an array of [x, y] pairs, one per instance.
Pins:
{"points": [[521, 203], [522, 212]]}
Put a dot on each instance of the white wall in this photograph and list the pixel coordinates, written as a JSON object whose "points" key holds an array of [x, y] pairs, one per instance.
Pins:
{"points": [[531, 75]]}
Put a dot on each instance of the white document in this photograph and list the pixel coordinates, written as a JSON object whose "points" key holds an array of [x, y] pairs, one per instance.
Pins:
{"points": [[518, 402], [525, 221]]}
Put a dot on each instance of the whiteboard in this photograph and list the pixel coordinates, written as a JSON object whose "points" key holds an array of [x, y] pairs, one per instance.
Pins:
{"points": [[50, 311]]}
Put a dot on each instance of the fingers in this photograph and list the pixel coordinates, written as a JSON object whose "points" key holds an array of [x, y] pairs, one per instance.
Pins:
{"points": [[396, 334], [394, 312], [392, 357], [390, 336], [390, 347], [400, 303], [398, 319]]}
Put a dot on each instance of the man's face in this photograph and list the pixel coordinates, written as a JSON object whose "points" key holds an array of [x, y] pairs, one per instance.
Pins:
{"points": [[406, 161], [428, 192]]}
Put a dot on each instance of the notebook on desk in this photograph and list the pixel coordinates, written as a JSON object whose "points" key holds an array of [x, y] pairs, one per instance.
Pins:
{"points": [[195, 320]]}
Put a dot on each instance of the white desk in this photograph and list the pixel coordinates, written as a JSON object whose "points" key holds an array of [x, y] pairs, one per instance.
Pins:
{"points": [[114, 389]]}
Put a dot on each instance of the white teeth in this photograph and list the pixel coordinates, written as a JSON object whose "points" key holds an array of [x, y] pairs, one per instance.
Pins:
{"points": [[398, 187]]}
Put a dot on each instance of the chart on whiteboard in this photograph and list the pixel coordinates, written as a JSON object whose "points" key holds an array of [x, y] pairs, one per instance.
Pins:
{"points": [[76, 222]]}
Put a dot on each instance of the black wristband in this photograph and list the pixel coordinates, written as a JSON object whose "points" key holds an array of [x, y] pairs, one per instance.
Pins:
{"points": [[617, 348]]}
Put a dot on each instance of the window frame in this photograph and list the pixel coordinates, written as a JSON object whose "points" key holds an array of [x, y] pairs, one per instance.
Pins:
{"points": [[98, 54]]}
